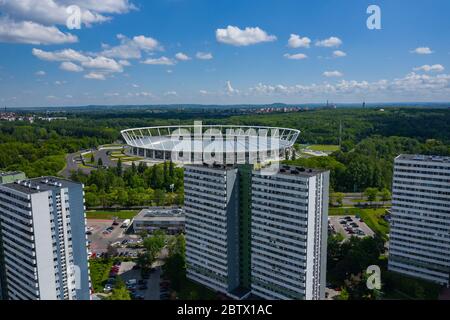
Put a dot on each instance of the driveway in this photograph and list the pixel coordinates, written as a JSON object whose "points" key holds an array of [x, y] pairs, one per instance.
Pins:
{"points": [[72, 165]]}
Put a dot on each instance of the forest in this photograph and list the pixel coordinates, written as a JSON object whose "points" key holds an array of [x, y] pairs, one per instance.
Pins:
{"points": [[370, 139]]}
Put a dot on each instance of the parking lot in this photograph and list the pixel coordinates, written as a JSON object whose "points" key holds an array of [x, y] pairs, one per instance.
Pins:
{"points": [[100, 240], [349, 226]]}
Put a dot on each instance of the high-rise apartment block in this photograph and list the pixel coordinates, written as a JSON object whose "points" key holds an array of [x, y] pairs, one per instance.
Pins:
{"points": [[289, 225], [419, 243], [250, 232], [44, 244]]}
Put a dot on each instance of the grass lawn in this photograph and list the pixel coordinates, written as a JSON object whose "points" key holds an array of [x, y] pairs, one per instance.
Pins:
{"points": [[99, 270], [324, 148], [108, 215], [372, 217], [193, 291]]}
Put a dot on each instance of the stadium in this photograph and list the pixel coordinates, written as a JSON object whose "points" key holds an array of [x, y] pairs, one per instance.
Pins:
{"points": [[223, 144]]}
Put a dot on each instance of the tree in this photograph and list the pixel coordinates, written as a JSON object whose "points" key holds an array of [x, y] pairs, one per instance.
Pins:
{"points": [[120, 291], [92, 158], [166, 177], [141, 167], [371, 194], [100, 162], [171, 169], [385, 195], [153, 246], [293, 157], [159, 197], [339, 198], [111, 251], [119, 167]]}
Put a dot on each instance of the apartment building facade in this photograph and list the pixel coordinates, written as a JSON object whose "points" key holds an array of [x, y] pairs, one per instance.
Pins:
{"points": [[289, 225], [44, 240], [211, 210], [239, 241], [420, 224]]}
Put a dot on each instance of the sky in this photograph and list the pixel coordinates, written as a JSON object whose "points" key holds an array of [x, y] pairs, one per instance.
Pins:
{"points": [[114, 52]]}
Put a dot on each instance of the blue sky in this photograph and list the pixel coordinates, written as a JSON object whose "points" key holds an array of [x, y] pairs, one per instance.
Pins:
{"points": [[222, 51]]}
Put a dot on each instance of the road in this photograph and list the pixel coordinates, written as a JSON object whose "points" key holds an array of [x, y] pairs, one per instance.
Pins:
{"points": [[73, 162], [72, 165]]}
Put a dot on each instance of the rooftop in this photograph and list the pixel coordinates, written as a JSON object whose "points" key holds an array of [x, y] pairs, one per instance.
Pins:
{"points": [[167, 214], [427, 158], [32, 186], [12, 173], [300, 171]]}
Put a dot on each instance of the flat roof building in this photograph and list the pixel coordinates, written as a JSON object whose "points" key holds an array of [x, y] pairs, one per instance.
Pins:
{"points": [[170, 220], [44, 240], [289, 229], [9, 177], [250, 232], [419, 243]]}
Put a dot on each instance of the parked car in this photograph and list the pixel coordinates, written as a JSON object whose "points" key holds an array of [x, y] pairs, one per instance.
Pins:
{"points": [[108, 288], [131, 282], [137, 296]]}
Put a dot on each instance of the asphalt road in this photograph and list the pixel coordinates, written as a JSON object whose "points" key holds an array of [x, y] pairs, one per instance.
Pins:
{"points": [[72, 165]]}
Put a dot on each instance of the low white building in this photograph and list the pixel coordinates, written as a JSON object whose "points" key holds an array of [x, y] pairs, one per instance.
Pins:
{"points": [[170, 220]]}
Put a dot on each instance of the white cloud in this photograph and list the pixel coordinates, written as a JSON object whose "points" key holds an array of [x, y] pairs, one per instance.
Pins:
{"points": [[37, 21], [131, 48], [70, 67], [339, 54], [330, 74], [147, 43], [229, 89], [95, 76], [159, 61], [40, 73], [297, 56], [125, 63], [135, 85], [295, 41], [182, 57], [204, 55], [62, 55], [329, 43], [412, 86], [103, 63], [430, 68], [171, 94], [234, 36], [32, 33], [71, 57], [422, 50]]}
